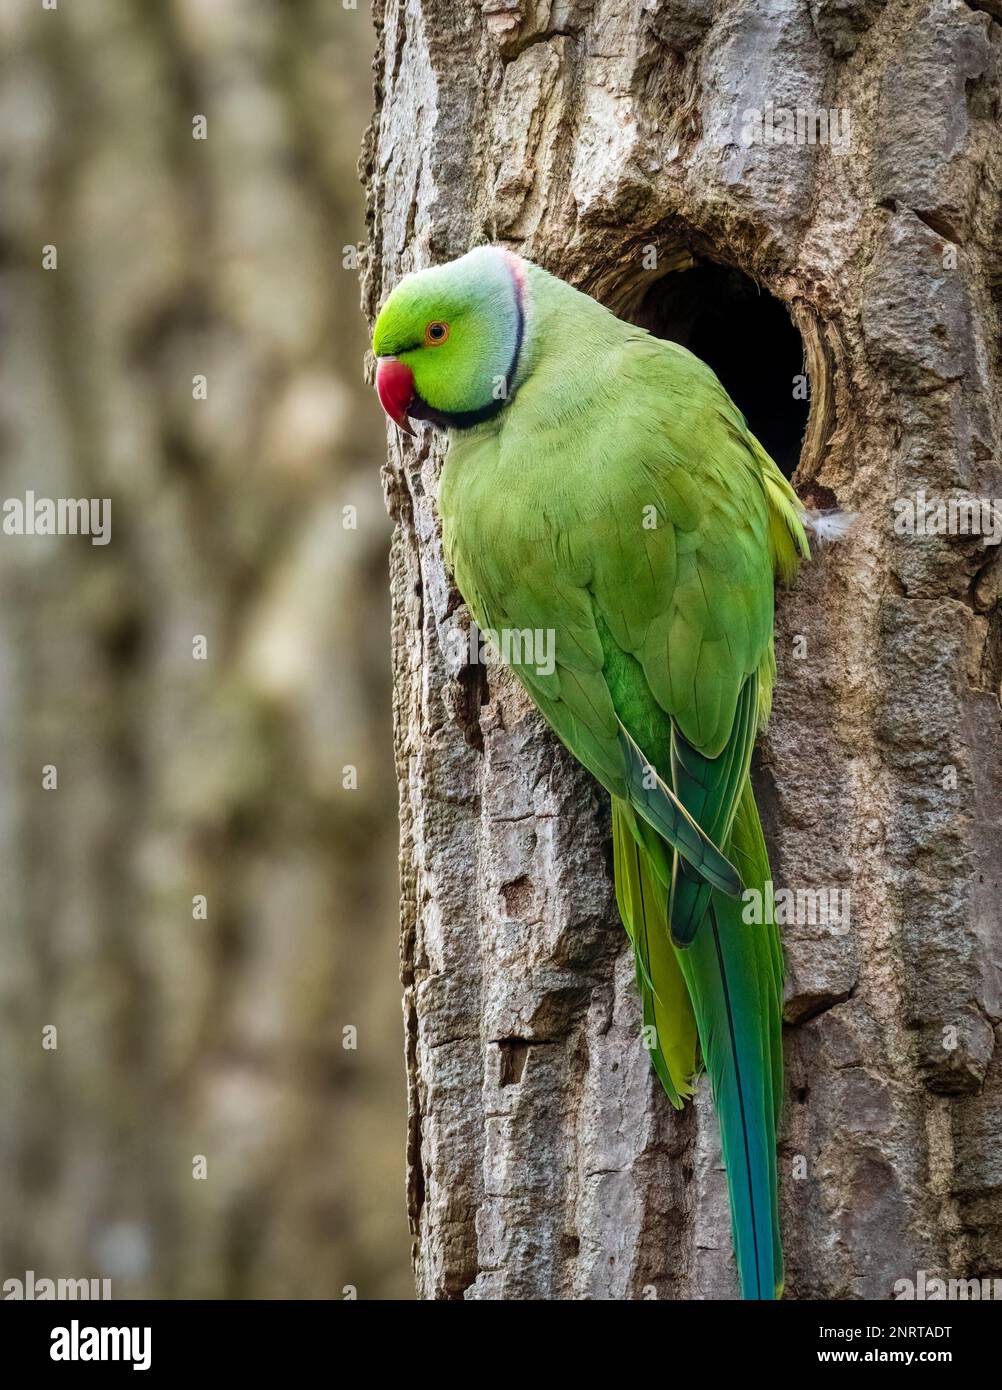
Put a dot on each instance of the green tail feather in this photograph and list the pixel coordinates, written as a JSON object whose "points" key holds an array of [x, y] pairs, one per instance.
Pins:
{"points": [[734, 973], [731, 975]]}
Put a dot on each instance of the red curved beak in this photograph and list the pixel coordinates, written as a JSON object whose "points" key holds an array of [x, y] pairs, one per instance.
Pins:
{"points": [[395, 389]]}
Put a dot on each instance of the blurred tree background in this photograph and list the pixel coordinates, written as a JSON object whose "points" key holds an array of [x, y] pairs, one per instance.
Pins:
{"points": [[177, 777]]}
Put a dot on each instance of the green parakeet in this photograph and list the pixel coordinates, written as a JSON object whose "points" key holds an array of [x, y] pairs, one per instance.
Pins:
{"points": [[600, 485]]}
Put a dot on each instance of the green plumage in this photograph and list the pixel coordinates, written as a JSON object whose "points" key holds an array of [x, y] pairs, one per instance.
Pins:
{"points": [[619, 500]]}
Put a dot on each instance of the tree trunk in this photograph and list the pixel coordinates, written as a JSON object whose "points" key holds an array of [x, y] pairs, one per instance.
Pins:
{"points": [[608, 142]]}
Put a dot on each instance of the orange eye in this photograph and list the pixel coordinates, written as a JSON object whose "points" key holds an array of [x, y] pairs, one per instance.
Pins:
{"points": [[436, 333]]}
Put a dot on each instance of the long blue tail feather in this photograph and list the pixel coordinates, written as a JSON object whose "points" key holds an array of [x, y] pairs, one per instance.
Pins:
{"points": [[730, 970]]}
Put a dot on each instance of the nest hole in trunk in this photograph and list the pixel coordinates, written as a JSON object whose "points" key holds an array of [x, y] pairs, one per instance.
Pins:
{"points": [[747, 336]]}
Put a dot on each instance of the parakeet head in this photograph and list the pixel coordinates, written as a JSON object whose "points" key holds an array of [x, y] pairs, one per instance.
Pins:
{"points": [[448, 340]]}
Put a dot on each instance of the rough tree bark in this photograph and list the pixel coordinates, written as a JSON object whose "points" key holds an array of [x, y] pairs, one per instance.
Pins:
{"points": [[543, 1160]]}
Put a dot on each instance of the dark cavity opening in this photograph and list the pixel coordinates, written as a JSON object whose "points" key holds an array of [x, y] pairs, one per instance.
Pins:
{"points": [[749, 340], [514, 1055]]}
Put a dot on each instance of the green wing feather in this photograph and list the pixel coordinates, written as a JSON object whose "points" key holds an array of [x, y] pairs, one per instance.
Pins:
{"points": [[709, 789], [665, 812]]}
